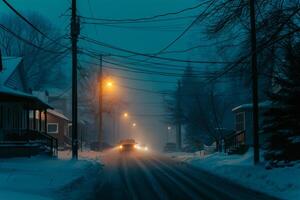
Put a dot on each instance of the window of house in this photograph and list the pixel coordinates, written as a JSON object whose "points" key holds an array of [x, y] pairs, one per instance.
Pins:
{"points": [[52, 127], [240, 121]]}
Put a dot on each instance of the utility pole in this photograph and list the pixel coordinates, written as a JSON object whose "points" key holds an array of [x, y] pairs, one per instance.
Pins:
{"points": [[254, 82], [114, 126], [179, 116], [100, 136], [74, 37]]}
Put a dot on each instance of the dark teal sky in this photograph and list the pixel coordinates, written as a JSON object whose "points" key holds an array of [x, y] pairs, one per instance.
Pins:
{"points": [[136, 40], [143, 40]]}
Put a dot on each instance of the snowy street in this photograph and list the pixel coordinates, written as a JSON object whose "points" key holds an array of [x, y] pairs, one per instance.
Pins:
{"points": [[40, 178], [150, 100], [151, 176]]}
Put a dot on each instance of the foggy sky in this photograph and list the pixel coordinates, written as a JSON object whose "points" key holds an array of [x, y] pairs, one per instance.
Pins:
{"points": [[146, 41]]}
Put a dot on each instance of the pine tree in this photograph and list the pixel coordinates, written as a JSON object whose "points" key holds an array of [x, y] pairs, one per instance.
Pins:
{"points": [[282, 120]]}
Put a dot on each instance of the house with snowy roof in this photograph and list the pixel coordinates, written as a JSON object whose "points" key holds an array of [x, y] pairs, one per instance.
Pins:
{"points": [[23, 116], [59, 123], [242, 138]]}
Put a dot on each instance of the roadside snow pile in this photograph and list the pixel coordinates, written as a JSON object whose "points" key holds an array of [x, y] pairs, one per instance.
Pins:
{"points": [[280, 182], [183, 156], [84, 155], [42, 178]]}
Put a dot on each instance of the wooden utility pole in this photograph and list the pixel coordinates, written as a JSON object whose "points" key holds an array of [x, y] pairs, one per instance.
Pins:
{"points": [[179, 116], [254, 82], [74, 38], [100, 136]]}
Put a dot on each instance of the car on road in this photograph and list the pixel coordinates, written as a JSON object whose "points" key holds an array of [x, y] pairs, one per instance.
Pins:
{"points": [[127, 145], [142, 147]]}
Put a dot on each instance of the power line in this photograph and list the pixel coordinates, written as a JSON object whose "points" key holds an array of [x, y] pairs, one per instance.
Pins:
{"points": [[32, 25], [152, 56], [146, 63], [140, 22], [197, 20], [187, 28], [28, 42], [148, 18], [140, 79]]}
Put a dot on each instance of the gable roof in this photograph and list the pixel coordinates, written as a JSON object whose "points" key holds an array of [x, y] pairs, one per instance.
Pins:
{"points": [[58, 114], [10, 64]]}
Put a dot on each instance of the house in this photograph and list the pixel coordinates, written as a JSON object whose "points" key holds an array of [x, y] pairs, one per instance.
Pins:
{"points": [[23, 116], [242, 138], [58, 127]]}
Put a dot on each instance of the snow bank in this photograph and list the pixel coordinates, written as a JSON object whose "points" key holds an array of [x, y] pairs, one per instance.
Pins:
{"points": [[280, 182], [41, 178], [85, 155]]}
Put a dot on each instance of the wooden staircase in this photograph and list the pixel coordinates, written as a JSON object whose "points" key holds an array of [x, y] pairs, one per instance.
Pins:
{"points": [[26, 144], [235, 143]]}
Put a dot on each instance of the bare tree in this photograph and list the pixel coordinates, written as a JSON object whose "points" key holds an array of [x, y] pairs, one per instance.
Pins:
{"points": [[42, 66], [276, 21]]}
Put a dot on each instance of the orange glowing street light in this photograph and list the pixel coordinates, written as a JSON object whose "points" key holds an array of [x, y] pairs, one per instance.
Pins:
{"points": [[125, 114], [109, 84]]}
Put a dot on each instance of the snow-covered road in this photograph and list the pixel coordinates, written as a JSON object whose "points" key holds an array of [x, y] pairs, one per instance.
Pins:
{"points": [[152, 176]]}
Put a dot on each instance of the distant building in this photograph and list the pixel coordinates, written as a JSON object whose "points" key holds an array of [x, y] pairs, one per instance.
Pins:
{"points": [[59, 124], [23, 116]]}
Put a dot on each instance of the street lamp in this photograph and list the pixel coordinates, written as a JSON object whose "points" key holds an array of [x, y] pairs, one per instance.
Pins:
{"points": [[125, 115], [134, 124], [109, 84]]}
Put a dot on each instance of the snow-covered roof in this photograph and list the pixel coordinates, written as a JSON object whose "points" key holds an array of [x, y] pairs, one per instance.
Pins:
{"points": [[249, 106], [9, 66], [15, 93], [9, 91], [58, 114]]}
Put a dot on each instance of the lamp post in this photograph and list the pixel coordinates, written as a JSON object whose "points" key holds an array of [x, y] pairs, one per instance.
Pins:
{"points": [[169, 133], [101, 87]]}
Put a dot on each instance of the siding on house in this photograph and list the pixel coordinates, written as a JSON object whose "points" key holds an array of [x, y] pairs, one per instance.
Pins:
{"points": [[62, 124], [246, 109]]}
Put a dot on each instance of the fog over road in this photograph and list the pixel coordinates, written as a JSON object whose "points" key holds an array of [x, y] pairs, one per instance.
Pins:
{"points": [[148, 176]]}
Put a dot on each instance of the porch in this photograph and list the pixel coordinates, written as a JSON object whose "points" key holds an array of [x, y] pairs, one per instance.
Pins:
{"points": [[235, 143], [23, 126]]}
